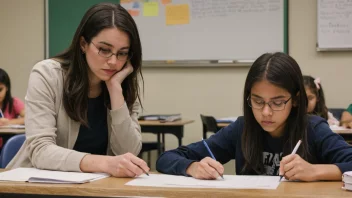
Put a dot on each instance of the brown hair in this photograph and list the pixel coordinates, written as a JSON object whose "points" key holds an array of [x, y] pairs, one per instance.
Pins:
{"points": [[73, 61]]}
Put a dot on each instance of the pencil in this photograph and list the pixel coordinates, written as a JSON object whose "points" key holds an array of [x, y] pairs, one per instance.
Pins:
{"points": [[211, 154]]}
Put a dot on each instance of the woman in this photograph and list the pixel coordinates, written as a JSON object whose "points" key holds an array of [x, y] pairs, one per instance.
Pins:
{"points": [[82, 105]]}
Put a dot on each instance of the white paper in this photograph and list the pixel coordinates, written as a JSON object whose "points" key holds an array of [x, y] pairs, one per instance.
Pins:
{"points": [[229, 181], [335, 127], [47, 176]]}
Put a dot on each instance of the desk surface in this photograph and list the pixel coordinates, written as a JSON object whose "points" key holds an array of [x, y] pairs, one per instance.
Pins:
{"points": [[141, 122], [158, 123], [339, 131], [115, 187], [11, 131]]}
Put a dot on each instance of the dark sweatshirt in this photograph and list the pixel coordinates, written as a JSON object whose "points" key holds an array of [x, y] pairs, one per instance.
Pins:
{"points": [[324, 145]]}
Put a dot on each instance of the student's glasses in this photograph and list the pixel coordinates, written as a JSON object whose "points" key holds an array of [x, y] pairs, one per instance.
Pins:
{"points": [[275, 105], [107, 53]]}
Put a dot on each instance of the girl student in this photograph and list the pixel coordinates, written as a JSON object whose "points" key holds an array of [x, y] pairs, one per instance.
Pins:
{"points": [[12, 108], [316, 99], [275, 119]]}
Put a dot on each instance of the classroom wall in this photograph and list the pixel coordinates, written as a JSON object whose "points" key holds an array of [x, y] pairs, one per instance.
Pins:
{"points": [[21, 40], [191, 91]]}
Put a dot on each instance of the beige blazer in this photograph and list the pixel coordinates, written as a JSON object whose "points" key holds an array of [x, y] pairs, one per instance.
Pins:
{"points": [[51, 134]]}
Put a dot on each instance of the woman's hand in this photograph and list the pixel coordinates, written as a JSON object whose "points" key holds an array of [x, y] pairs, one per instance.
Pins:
{"points": [[126, 165], [117, 79], [114, 86]]}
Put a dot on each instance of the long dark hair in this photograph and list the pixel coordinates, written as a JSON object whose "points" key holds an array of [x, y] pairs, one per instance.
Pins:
{"points": [[73, 61], [281, 70], [320, 108], [8, 101]]}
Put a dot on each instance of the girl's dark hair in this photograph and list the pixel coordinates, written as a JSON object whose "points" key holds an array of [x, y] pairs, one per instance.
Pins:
{"points": [[8, 101], [320, 108], [281, 70], [73, 61]]}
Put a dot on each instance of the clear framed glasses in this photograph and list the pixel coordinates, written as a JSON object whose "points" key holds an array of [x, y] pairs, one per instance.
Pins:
{"points": [[276, 105], [107, 53]]}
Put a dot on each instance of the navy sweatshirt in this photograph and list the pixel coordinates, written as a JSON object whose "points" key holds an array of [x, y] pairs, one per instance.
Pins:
{"points": [[324, 145]]}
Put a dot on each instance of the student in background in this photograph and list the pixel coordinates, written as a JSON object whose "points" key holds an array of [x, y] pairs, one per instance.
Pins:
{"points": [[12, 108], [346, 117], [275, 119], [316, 99], [82, 105]]}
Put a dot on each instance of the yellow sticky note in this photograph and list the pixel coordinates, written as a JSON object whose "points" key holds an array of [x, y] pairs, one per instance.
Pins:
{"points": [[177, 14], [150, 9], [164, 2]]}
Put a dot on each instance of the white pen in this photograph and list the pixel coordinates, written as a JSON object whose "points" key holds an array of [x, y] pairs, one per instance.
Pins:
{"points": [[293, 152], [2, 115]]}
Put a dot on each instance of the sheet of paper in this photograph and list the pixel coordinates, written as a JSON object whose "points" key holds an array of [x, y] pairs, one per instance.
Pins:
{"points": [[229, 181], [177, 14], [164, 2], [335, 127], [135, 5], [150, 9], [47, 176]]}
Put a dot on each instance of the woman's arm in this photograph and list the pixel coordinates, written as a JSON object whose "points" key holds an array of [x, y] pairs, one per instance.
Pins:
{"points": [[126, 132], [41, 121]]}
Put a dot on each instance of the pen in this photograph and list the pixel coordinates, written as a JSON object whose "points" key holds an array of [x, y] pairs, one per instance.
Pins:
{"points": [[143, 170], [1, 114], [211, 154], [293, 152]]}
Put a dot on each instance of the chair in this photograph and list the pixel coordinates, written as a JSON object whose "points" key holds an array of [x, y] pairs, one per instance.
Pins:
{"points": [[11, 148], [337, 112], [148, 147], [209, 125]]}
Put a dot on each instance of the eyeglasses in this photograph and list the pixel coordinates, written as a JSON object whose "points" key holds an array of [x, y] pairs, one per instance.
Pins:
{"points": [[107, 53], [277, 105]]}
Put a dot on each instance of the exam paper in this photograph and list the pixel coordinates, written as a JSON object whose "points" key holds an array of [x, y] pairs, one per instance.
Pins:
{"points": [[229, 181]]}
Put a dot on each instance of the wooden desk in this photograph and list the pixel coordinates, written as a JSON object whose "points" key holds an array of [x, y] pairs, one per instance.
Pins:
{"points": [[223, 124], [110, 187], [159, 128], [9, 131]]}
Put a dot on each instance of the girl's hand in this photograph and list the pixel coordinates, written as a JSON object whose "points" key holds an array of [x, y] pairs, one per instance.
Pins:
{"points": [[293, 167], [207, 168], [4, 121], [116, 80]]}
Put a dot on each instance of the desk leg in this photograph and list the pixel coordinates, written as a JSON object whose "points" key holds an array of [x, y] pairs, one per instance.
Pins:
{"points": [[159, 144], [163, 143]]}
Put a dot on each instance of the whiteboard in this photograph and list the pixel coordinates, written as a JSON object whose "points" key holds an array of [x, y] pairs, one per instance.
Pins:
{"points": [[334, 25], [216, 29]]}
